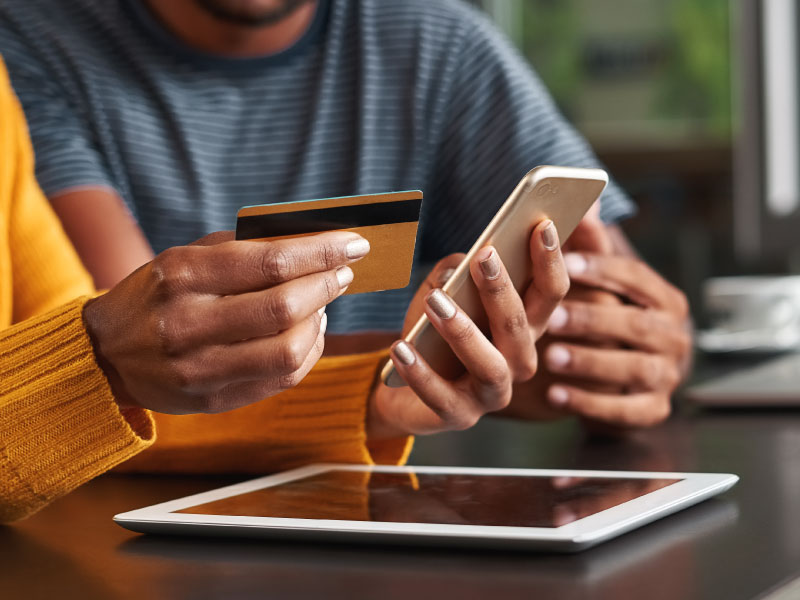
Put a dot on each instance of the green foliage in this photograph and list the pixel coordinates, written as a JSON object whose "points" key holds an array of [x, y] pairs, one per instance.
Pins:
{"points": [[692, 83], [697, 82], [552, 41]]}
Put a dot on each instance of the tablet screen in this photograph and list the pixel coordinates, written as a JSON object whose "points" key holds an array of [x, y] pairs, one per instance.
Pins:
{"points": [[458, 499]]}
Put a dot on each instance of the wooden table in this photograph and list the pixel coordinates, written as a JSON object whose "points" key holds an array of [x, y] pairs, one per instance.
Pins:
{"points": [[739, 545]]}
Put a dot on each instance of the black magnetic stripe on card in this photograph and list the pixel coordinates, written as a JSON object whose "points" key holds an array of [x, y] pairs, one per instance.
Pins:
{"points": [[328, 219]]}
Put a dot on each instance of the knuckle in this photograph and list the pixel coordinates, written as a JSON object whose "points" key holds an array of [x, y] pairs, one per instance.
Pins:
{"points": [[288, 380], [500, 400], [684, 343], [560, 288], [656, 373], [682, 308], [460, 420], [184, 376], [672, 377], [527, 368], [462, 332], [329, 255], [169, 341], [516, 324], [642, 323], [171, 272], [276, 263], [580, 318], [291, 357], [498, 288], [332, 288], [280, 310], [494, 379], [659, 411]]}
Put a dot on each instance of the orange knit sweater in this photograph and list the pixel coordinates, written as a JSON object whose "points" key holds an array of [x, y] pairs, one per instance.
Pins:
{"points": [[59, 423]]}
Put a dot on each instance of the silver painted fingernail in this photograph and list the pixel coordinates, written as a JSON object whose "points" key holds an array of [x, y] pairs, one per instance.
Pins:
{"points": [[323, 324], [357, 248], [558, 395], [345, 276], [490, 266], [550, 236], [404, 353], [558, 357], [445, 276], [441, 304], [575, 263], [558, 318]]}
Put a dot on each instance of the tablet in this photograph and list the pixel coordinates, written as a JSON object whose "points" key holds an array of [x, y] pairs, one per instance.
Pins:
{"points": [[560, 510]]}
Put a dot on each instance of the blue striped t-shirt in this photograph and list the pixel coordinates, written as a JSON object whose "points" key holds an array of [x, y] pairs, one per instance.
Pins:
{"points": [[376, 96]]}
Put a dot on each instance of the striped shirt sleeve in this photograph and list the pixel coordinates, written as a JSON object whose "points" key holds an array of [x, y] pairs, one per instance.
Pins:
{"points": [[67, 156], [499, 123]]}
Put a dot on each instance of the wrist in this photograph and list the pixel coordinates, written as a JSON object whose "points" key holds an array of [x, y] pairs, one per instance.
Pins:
{"points": [[378, 426], [93, 321]]}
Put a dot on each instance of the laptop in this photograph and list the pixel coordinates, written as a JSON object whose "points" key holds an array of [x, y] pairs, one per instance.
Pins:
{"points": [[774, 383]]}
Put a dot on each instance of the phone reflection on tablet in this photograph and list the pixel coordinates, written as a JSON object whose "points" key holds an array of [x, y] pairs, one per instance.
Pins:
{"points": [[457, 499]]}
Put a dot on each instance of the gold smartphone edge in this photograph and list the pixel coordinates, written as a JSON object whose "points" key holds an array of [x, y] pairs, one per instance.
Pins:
{"points": [[528, 182]]}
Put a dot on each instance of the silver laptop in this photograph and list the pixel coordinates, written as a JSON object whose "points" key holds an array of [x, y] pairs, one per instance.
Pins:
{"points": [[770, 384]]}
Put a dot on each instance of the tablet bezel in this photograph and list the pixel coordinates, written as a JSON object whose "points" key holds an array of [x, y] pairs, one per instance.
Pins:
{"points": [[584, 532]]}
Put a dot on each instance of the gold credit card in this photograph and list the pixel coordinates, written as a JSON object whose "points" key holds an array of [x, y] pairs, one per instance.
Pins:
{"points": [[388, 221]]}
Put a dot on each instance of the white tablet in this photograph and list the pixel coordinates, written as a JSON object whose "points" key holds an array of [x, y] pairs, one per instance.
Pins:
{"points": [[498, 508]]}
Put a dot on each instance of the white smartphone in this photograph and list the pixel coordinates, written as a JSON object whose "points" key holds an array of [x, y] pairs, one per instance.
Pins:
{"points": [[561, 194]]}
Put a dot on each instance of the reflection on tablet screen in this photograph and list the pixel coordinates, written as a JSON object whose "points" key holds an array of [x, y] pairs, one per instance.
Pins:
{"points": [[459, 499]]}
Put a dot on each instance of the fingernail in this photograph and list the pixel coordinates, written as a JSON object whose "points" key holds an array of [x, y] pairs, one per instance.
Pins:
{"points": [[557, 395], [558, 357], [575, 263], [357, 248], [441, 304], [445, 276], [558, 318], [321, 311], [345, 276], [550, 236], [490, 266], [404, 353], [323, 324]]}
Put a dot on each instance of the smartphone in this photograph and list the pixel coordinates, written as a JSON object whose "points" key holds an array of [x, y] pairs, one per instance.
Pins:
{"points": [[561, 194]]}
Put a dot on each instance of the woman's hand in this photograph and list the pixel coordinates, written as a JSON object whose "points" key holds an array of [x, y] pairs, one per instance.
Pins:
{"points": [[220, 324], [432, 403]]}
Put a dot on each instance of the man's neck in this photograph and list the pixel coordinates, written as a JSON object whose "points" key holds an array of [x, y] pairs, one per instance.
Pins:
{"points": [[202, 31]]}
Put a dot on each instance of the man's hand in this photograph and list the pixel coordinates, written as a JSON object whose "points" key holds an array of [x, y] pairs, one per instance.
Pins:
{"points": [[220, 324], [432, 403], [616, 362]]}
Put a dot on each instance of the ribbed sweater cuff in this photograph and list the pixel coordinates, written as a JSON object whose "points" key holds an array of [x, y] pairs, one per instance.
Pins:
{"points": [[61, 426], [340, 386]]}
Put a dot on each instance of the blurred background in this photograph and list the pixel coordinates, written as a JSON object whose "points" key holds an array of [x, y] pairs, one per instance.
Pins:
{"points": [[693, 107], [677, 97]]}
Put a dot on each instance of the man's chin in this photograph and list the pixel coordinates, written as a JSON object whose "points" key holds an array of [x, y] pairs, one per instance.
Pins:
{"points": [[251, 13]]}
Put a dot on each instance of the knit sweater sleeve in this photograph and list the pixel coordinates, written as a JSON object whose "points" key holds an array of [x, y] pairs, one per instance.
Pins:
{"points": [[60, 424]]}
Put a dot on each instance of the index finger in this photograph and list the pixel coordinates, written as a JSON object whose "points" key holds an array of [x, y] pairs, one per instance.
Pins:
{"points": [[627, 276], [238, 267]]}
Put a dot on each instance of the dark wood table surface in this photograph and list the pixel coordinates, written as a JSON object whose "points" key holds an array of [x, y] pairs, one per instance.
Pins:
{"points": [[739, 545]]}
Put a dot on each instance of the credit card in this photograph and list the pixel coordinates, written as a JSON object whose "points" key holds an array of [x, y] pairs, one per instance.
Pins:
{"points": [[388, 221]]}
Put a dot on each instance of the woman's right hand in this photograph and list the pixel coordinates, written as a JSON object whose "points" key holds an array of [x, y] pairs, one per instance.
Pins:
{"points": [[220, 324]]}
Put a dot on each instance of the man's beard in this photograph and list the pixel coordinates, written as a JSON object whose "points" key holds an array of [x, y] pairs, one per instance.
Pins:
{"points": [[224, 11]]}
